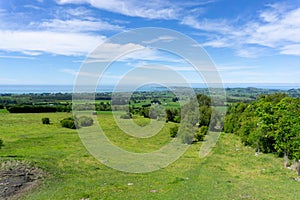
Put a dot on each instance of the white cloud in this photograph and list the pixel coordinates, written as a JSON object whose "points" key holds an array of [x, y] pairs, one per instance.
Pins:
{"points": [[77, 73], [33, 42], [134, 8], [218, 43], [207, 25], [33, 7], [269, 16], [250, 52], [106, 76], [164, 38], [77, 25], [79, 11], [151, 54], [285, 29], [278, 28], [129, 52], [17, 57], [230, 68], [109, 51], [291, 50]]}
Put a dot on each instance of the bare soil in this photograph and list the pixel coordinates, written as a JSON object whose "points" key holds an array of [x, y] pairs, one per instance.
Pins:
{"points": [[16, 178]]}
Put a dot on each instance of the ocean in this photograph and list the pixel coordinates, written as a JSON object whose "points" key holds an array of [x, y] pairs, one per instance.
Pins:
{"points": [[26, 89]]}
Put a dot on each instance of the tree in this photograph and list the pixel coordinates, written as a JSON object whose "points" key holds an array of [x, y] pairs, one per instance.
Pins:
{"points": [[156, 111], [271, 124], [204, 115], [172, 115], [287, 135]]}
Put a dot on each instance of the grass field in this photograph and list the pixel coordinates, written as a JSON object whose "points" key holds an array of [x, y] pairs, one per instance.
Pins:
{"points": [[231, 171]]}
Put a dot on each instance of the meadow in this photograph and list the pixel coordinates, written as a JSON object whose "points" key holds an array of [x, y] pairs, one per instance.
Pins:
{"points": [[230, 171]]}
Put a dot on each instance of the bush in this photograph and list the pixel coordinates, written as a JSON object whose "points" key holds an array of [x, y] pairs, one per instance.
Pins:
{"points": [[173, 131], [202, 131], [126, 116], [74, 122], [85, 121], [69, 122], [1, 143], [46, 120]]}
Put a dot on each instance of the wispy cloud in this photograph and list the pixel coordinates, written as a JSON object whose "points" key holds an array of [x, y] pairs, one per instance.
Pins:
{"points": [[8, 81], [77, 25], [90, 74], [33, 7], [164, 38], [277, 27], [220, 25], [130, 52], [78, 73], [35, 42], [134, 8], [291, 49], [230, 68], [17, 57], [79, 11]]}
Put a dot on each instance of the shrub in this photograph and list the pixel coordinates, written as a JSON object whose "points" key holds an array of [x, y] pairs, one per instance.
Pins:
{"points": [[126, 116], [74, 122], [1, 143], [85, 121], [202, 131], [173, 131], [69, 122], [46, 120]]}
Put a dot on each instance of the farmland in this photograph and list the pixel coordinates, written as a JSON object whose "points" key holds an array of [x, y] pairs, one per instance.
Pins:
{"points": [[231, 171]]}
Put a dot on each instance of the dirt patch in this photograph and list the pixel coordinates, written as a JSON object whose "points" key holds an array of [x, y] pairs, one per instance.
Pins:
{"points": [[17, 177]]}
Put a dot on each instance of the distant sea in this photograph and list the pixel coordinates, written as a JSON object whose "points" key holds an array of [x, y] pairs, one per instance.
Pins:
{"points": [[26, 89]]}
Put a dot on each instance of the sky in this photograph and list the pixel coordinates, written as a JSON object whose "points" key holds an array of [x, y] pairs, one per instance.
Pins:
{"points": [[48, 42]]}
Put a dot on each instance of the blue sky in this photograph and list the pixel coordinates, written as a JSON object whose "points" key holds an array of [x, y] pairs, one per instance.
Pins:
{"points": [[250, 41]]}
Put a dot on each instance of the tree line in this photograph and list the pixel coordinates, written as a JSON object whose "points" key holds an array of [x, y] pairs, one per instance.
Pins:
{"points": [[270, 124]]}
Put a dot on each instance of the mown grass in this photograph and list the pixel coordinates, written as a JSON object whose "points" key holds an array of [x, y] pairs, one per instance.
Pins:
{"points": [[231, 171]]}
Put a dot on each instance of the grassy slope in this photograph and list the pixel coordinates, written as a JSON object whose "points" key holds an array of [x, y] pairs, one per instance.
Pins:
{"points": [[230, 172]]}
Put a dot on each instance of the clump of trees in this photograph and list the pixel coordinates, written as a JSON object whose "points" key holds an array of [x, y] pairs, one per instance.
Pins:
{"points": [[37, 109], [271, 125], [173, 115], [197, 119], [103, 106], [77, 122]]}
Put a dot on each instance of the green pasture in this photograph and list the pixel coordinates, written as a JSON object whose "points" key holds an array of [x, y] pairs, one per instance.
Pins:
{"points": [[230, 171]]}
